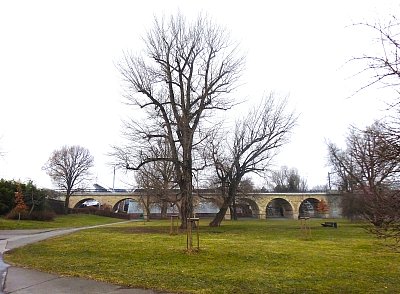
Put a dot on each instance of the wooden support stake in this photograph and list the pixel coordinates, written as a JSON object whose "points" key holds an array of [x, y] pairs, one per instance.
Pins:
{"points": [[304, 226], [192, 221], [174, 228]]}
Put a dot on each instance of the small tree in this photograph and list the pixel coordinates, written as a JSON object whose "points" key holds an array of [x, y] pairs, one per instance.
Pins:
{"points": [[156, 178], [20, 206]]}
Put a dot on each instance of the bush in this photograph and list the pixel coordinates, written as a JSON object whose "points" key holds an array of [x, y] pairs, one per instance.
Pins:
{"points": [[15, 214], [85, 210], [109, 213], [31, 196], [55, 205], [35, 215], [42, 215], [100, 212]]}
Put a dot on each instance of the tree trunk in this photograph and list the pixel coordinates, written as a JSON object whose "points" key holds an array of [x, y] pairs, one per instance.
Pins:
{"points": [[228, 200], [234, 211], [66, 204], [147, 216], [216, 222], [185, 183], [186, 188], [187, 204], [164, 209]]}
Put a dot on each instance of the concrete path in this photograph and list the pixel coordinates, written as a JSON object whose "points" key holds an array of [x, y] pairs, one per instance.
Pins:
{"points": [[22, 281]]}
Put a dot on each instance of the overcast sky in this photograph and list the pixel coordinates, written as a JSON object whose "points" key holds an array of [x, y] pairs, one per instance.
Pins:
{"points": [[59, 84]]}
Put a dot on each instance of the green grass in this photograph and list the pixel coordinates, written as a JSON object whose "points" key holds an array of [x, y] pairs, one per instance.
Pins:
{"points": [[240, 257], [63, 221]]}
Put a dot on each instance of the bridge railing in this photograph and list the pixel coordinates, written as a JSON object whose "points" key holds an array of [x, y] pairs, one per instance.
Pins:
{"points": [[92, 191]]}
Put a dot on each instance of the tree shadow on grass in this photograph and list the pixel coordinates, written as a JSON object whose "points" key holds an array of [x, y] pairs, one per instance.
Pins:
{"points": [[140, 230]]}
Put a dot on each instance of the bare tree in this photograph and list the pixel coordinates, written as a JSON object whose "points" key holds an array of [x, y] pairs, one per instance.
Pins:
{"points": [[370, 159], [69, 168], [255, 141], [186, 72], [372, 164], [287, 180]]}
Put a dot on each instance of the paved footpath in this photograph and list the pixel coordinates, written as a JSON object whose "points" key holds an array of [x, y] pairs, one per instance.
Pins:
{"points": [[18, 280]]}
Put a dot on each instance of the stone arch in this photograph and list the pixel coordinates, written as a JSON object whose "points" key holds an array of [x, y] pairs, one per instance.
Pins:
{"points": [[128, 205], [246, 207], [81, 203], [279, 207]]}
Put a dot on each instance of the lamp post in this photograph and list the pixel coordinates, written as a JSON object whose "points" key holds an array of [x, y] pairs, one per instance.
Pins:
{"points": [[113, 179], [329, 179]]}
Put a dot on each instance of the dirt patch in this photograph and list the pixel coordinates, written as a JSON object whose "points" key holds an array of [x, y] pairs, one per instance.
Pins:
{"points": [[146, 230]]}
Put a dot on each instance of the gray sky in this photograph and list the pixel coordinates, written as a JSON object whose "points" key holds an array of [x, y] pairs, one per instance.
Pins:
{"points": [[59, 84]]}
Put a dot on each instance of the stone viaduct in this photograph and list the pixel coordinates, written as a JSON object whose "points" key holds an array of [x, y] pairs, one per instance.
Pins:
{"points": [[258, 204]]}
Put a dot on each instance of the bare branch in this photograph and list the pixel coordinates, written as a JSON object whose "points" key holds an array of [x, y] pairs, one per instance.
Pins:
{"points": [[384, 67]]}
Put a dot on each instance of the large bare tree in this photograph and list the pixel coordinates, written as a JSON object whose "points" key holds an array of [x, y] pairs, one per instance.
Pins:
{"points": [[254, 143], [368, 168], [69, 168], [372, 164], [370, 159], [183, 76]]}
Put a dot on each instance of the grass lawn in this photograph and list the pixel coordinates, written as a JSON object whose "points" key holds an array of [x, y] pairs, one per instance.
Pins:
{"points": [[62, 221], [249, 256]]}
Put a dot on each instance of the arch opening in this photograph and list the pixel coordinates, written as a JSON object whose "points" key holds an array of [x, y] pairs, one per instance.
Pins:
{"points": [[206, 208], [128, 205], [279, 208], [308, 208], [87, 202], [247, 208]]}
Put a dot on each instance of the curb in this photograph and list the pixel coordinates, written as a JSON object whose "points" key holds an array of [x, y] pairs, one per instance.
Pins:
{"points": [[3, 273]]}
